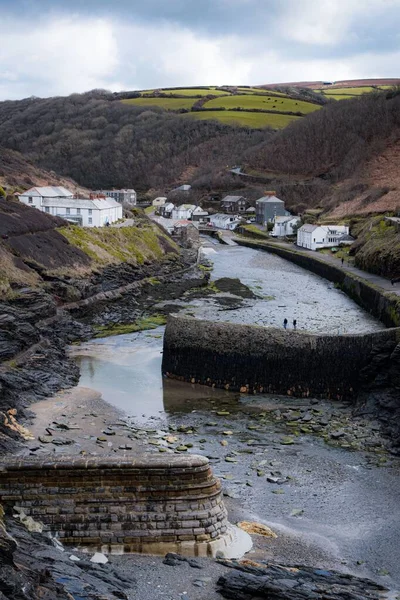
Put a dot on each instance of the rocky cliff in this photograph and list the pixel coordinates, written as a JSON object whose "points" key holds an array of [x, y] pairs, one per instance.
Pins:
{"points": [[56, 281]]}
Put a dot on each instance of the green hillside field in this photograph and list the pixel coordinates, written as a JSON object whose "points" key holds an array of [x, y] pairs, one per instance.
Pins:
{"points": [[238, 107], [246, 119], [250, 101], [188, 92], [166, 103]]}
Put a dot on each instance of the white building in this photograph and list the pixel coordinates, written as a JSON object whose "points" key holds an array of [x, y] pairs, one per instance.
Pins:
{"points": [[160, 201], [221, 221], [127, 197], [59, 202], [284, 226], [34, 196], [184, 211], [315, 237]]}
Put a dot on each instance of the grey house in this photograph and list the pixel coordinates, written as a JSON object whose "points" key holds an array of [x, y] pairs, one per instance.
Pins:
{"points": [[269, 207], [233, 204]]}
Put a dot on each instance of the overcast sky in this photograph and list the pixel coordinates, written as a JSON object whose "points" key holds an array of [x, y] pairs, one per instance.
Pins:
{"points": [[57, 47]]}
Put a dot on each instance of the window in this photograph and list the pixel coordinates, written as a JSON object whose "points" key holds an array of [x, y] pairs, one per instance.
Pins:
{"points": [[90, 211], [68, 211], [47, 209], [78, 211], [90, 220], [30, 200]]}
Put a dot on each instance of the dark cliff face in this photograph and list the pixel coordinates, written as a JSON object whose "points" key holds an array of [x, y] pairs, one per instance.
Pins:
{"points": [[380, 391]]}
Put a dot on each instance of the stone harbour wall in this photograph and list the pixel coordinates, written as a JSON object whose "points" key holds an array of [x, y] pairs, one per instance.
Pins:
{"points": [[150, 505], [249, 358]]}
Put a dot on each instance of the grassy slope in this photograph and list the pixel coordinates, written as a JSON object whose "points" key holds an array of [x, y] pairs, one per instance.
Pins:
{"points": [[189, 92], [111, 245], [167, 103], [247, 119], [378, 246], [248, 99], [262, 103]]}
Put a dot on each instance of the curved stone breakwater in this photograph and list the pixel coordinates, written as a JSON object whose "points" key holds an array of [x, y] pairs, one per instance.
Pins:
{"points": [[249, 358], [150, 505]]}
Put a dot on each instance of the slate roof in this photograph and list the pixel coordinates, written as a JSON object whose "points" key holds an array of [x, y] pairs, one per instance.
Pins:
{"points": [[96, 203], [232, 198], [270, 199], [48, 192], [308, 227]]}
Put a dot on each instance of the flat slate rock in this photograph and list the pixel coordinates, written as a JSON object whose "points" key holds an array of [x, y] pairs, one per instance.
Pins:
{"points": [[250, 581]]}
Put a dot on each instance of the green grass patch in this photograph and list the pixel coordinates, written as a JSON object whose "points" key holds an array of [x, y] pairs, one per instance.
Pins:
{"points": [[111, 245], [245, 119], [144, 324], [341, 96], [149, 210], [353, 91], [166, 103], [253, 90], [189, 92], [249, 101]]}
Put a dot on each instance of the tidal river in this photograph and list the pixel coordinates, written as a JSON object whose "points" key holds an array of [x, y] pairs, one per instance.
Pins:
{"points": [[126, 369], [334, 504]]}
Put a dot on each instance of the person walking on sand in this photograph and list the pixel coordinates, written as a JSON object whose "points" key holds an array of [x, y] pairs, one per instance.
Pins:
{"points": [[294, 324], [285, 322]]}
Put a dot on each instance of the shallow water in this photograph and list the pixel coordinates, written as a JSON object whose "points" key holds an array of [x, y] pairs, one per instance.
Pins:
{"points": [[126, 369], [287, 291]]}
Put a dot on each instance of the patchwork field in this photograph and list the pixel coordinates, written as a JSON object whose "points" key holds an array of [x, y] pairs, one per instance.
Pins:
{"points": [[250, 101], [188, 92], [166, 103], [238, 107], [342, 93], [245, 119]]}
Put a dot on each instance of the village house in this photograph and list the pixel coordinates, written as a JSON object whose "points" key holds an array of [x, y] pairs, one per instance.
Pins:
{"points": [[200, 215], [180, 192], [182, 188], [284, 226], [222, 221], [234, 204], [268, 207], [35, 195], [160, 201], [315, 237], [184, 211], [166, 209], [96, 211], [126, 197]]}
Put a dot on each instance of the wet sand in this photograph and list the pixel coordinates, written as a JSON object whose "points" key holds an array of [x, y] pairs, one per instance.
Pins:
{"points": [[335, 508]]}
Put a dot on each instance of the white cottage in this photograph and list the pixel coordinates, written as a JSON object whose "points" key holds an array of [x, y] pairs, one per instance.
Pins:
{"points": [[315, 237], [160, 201], [34, 196], [284, 226], [221, 221], [184, 211], [59, 202]]}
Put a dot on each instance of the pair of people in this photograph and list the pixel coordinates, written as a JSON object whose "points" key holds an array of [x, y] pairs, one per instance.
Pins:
{"points": [[285, 324]]}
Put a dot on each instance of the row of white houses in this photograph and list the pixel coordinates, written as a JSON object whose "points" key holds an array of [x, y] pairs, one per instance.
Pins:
{"points": [[96, 211]]}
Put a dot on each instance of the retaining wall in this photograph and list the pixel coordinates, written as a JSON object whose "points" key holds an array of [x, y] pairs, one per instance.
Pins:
{"points": [[152, 505], [383, 305], [258, 359]]}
